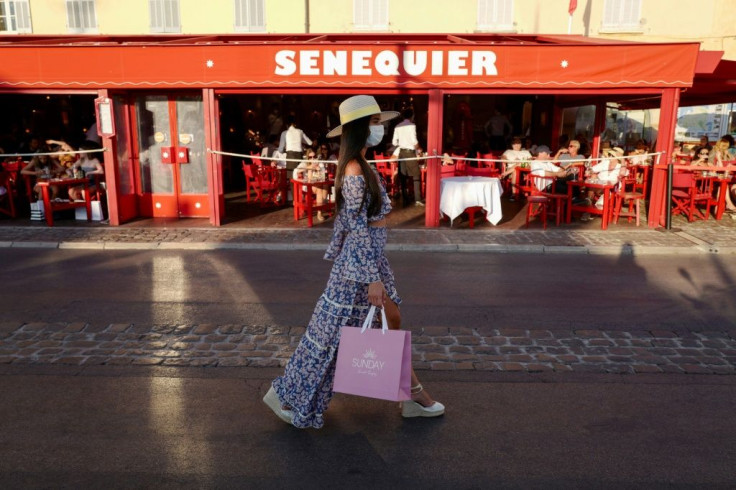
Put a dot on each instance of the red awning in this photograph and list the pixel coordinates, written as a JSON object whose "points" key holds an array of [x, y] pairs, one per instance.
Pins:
{"points": [[464, 61], [714, 82]]}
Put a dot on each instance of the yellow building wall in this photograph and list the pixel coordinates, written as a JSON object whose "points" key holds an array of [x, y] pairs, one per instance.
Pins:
{"points": [[712, 22]]}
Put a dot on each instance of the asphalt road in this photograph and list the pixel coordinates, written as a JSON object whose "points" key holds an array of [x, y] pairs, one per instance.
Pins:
{"points": [[192, 428], [438, 289]]}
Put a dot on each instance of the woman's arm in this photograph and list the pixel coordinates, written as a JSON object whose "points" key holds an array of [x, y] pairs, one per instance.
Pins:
{"points": [[30, 169], [63, 146], [356, 214]]}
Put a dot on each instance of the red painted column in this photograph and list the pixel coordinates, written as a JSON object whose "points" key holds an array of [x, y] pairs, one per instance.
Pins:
{"points": [[111, 171], [434, 146], [665, 137], [599, 126], [216, 196]]}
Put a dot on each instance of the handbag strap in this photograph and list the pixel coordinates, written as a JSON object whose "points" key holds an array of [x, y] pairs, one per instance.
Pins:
{"points": [[369, 319]]}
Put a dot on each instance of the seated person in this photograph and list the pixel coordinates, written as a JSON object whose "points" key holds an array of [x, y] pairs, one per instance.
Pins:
{"points": [[700, 158], [638, 154], [90, 166], [312, 170], [513, 157], [544, 167], [607, 170], [325, 154], [567, 156], [721, 156], [45, 167], [721, 152]]}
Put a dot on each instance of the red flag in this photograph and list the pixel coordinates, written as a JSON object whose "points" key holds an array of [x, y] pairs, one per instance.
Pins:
{"points": [[573, 6]]}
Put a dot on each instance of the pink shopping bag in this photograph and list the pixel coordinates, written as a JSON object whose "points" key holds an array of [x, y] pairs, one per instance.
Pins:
{"points": [[374, 363]]}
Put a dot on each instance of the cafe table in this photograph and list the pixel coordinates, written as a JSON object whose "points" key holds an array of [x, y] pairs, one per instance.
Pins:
{"points": [[607, 192], [460, 193], [721, 183], [50, 206], [304, 200]]}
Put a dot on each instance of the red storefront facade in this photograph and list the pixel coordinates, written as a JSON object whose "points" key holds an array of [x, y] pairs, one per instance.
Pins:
{"points": [[165, 93]]}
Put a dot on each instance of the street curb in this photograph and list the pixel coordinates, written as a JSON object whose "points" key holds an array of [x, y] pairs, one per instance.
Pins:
{"points": [[494, 248], [82, 245], [35, 245]]}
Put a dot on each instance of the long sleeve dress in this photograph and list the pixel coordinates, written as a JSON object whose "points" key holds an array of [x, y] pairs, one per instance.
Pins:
{"points": [[357, 250]]}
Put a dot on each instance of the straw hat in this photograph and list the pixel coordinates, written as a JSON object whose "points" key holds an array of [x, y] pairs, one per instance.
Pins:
{"points": [[614, 152], [359, 106]]}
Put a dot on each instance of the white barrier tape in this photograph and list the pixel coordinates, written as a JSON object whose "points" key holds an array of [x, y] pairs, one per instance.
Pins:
{"points": [[52, 153], [572, 160], [272, 159]]}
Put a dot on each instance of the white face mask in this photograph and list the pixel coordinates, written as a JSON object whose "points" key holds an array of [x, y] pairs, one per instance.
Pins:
{"points": [[376, 135]]}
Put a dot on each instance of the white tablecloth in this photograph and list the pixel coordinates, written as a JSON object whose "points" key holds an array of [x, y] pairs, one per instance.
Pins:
{"points": [[459, 193]]}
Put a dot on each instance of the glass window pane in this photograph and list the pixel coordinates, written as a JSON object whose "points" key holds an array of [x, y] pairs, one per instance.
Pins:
{"points": [[190, 122], [153, 134], [124, 164]]}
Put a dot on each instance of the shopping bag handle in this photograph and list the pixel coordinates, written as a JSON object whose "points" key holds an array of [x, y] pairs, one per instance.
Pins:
{"points": [[369, 319]]}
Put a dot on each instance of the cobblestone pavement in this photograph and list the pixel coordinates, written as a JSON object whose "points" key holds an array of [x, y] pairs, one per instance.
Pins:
{"points": [[699, 237], [434, 348]]}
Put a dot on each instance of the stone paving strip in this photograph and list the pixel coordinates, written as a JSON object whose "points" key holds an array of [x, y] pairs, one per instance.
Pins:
{"points": [[434, 348], [692, 238]]}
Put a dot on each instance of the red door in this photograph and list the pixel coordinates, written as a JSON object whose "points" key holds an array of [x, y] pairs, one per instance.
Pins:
{"points": [[171, 176]]}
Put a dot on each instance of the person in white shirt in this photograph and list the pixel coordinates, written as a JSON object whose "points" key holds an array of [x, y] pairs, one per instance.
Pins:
{"points": [[544, 167], [513, 157], [607, 170], [498, 128], [405, 139], [291, 143]]}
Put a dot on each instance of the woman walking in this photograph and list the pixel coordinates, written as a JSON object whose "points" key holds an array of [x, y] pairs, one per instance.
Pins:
{"points": [[361, 276]]}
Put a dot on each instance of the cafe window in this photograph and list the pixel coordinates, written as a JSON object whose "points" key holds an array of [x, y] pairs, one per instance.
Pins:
{"points": [[81, 17], [370, 15], [164, 15], [621, 16], [15, 17], [250, 16], [496, 15], [578, 122]]}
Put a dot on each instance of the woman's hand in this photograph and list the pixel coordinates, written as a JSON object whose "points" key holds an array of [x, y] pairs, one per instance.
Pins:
{"points": [[375, 293]]}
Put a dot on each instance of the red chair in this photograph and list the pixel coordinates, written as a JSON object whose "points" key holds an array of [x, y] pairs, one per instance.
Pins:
{"points": [[628, 194], [7, 200], [689, 190], [447, 171], [263, 180], [251, 182], [497, 166], [460, 164], [537, 202], [481, 172], [386, 170]]}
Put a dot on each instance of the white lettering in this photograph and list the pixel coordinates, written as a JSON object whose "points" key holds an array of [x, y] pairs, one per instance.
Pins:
{"points": [[368, 364], [308, 63], [415, 62], [437, 63], [456, 63], [285, 63], [335, 63], [484, 63], [387, 63], [361, 63]]}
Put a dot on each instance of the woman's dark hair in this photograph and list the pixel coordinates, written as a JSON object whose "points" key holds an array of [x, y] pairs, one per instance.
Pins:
{"points": [[352, 142]]}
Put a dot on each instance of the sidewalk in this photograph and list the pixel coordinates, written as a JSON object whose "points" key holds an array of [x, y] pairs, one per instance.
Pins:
{"points": [[435, 348], [685, 238]]}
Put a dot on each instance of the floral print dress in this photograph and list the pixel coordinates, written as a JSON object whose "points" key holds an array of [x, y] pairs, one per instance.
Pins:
{"points": [[357, 250]]}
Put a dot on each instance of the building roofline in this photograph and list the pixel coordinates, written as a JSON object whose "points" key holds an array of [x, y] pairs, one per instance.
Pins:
{"points": [[301, 38]]}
